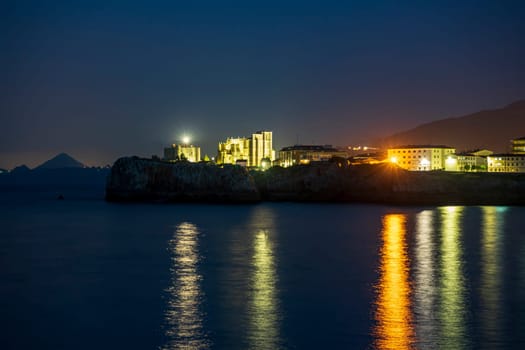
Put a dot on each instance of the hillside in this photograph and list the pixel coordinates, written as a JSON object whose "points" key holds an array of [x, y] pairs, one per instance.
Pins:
{"points": [[490, 129]]}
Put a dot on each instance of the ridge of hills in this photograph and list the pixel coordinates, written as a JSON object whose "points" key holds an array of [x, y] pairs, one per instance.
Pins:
{"points": [[58, 172], [488, 129]]}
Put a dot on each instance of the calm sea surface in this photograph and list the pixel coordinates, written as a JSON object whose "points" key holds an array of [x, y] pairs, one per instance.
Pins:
{"points": [[85, 274]]}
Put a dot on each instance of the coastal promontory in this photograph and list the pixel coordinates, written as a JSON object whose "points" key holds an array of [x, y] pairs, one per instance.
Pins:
{"points": [[135, 179]]}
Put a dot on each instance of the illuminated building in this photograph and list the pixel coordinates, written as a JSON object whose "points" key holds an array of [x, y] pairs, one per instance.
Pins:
{"points": [[252, 150], [182, 151], [420, 157], [513, 162], [356, 150], [468, 161], [304, 154], [506, 163], [518, 146], [368, 158]]}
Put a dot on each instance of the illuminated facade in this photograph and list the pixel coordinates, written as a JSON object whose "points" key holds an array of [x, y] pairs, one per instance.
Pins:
{"points": [[506, 163], [250, 151], [304, 154], [513, 162], [518, 146], [474, 161], [178, 152], [420, 158]]}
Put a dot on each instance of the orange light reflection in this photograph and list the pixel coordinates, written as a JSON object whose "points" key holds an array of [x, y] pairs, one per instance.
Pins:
{"points": [[393, 317]]}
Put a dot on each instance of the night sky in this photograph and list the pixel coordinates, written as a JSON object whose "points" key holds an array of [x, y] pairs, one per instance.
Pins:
{"points": [[103, 79]]}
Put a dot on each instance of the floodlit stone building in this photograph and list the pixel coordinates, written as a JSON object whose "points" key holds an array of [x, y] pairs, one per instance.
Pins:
{"points": [[181, 151], [473, 161], [518, 146], [304, 154], [420, 157], [247, 150], [506, 163]]}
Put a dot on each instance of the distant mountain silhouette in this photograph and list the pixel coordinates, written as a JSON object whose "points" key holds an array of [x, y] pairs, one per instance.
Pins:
{"points": [[490, 129], [21, 169], [61, 177], [60, 161]]}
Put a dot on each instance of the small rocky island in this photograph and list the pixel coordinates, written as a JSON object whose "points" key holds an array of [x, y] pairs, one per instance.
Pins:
{"points": [[136, 179]]}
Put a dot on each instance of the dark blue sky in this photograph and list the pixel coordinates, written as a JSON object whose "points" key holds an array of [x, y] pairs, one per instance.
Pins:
{"points": [[101, 79]]}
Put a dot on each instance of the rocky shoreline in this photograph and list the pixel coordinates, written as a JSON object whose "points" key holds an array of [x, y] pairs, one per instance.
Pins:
{"points": [[134, 180]]}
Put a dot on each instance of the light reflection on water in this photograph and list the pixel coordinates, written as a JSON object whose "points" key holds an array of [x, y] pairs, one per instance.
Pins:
{"points": [[394, 320], [425, 289], [423, 294], [432, 312], [263, 309], [184, 318], [300, 273], [452, 307], [491, 260]]}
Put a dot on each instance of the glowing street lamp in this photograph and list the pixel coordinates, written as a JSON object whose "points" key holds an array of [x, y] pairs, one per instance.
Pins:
{"points": [[266, 163], [186, 139]]}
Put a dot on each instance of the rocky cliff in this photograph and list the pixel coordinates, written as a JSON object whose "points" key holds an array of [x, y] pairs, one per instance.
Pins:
{"points": [[386, 183], [134, 179]]}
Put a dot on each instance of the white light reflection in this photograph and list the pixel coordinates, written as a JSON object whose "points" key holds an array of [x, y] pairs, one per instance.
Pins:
{"points": [[491, 279], [453, 333], [425, 289], [264, 314], [184, 328]]}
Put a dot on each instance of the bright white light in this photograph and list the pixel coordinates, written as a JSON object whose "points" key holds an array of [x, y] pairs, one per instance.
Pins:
{"points": [[186, 139], [425, 162], [393, 159], [265, 163]]}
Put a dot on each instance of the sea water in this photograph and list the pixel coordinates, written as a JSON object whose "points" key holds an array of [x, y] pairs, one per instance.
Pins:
{"points": [[81, 273]]}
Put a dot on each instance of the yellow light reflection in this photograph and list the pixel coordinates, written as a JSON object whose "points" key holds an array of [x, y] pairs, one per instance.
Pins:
{"points": [[264, 306], [183, 317], [452, 291], [425, 289], [491, 273], [393, 318]]}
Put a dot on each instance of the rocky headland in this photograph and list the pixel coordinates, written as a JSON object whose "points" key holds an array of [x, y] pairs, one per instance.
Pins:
{"points": [[135, 179]]}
